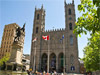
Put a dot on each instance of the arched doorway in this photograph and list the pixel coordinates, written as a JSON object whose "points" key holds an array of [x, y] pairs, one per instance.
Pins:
{"points": [[52, 62], [60, 62], [44, 62]]}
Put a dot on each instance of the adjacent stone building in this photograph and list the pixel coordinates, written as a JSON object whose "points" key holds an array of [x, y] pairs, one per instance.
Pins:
{"points": [[63, 54], [7, 39], [26, 61]]}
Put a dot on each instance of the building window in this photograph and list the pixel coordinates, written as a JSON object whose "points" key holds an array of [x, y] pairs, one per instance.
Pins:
{"points": [[37, 16], [6, 50], [70, 26], [71, 40], [72, 59], [69, 11], [70, 18], [37, 29]]}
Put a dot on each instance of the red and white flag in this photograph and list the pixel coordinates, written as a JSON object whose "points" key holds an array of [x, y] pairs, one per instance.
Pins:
{"points": [[34, 39], [45, 37]]}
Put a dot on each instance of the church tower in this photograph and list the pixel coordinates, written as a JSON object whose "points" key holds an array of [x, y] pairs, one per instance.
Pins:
{"points": [[38, 28], [39, 21], [71, 39], [70, 16]]}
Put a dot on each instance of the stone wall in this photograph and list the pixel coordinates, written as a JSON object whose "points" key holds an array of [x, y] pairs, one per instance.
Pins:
{"points": [[13, 73]]}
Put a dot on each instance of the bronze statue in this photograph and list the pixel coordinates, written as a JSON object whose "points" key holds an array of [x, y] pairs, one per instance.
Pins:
{"points": [[18, 32], [23, 28]]}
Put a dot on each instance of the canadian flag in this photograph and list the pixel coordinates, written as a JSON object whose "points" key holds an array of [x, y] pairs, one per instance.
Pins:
{"points": [[45, 37]]}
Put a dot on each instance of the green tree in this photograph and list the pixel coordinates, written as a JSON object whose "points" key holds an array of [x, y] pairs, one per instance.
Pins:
{"points": [[92, 53], [4, 59], [90, 22], [97, 3]]}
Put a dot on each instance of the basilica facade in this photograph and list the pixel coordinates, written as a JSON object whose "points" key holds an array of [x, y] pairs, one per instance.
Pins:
{"points": [[60, 52]]}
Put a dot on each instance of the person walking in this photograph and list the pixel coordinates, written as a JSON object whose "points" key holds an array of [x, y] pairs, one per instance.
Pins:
{"points": [[28, 72]]}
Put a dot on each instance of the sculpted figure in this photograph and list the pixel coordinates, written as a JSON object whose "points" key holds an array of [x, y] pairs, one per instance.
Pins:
{"points": [[18, 32]]}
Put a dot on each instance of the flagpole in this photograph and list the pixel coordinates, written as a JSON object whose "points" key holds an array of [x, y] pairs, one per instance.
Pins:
{"points": [[64, 54], [34, 57], [48, 54]]}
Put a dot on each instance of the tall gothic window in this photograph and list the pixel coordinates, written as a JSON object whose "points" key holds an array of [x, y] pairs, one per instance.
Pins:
{"points": [[69, 11], [71, 40], [37, 29], [37, 16], [72, 59], [70, 26]]}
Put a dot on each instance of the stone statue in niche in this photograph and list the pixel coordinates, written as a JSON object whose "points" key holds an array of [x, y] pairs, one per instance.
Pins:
{"points": [[18, 33]]}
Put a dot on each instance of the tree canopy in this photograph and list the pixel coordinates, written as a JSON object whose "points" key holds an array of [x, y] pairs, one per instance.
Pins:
{"points": [[90, 22], [92, 53]]}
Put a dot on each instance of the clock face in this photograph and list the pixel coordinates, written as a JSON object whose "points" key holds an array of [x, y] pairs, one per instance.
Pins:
{"points": [[70, 18]]}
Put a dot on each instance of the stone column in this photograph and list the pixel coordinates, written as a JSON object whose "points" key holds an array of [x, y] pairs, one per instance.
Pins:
{"points": [[56, 63]]}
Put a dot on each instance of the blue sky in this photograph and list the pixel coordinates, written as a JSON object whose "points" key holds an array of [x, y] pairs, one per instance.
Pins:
{"points": [[21, 11]]}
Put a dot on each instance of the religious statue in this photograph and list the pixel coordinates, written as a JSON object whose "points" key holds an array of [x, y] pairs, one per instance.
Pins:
{"points": [[18, 32]]}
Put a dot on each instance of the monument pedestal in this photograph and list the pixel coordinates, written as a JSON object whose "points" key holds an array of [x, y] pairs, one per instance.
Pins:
{"points": [[15, 61]]}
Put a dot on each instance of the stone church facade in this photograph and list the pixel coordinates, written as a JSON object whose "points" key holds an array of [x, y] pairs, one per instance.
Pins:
{"points": [[63, 55]]}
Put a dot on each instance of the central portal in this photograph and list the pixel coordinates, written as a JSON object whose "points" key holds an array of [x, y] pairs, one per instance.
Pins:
{"points": [[52, 62]]}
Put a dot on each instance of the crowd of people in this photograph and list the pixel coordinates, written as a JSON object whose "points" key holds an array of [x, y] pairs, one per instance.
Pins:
{"points": [[29, 72]]}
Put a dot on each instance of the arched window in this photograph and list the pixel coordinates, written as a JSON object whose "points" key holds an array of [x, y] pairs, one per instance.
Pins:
{"points": [[60, 62], [53, 61], [69, 11], [37, 29], [71, 40], [44, 62], [72, 59], [70, 26], [37, 16]]}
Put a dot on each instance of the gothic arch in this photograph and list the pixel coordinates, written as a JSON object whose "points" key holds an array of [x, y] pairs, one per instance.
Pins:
{"points": [[37, 28], [69, 11], [52, 61], [71, 40], [70, 26], [60, 62], [37, 16], [72, 59], [44, 62]]}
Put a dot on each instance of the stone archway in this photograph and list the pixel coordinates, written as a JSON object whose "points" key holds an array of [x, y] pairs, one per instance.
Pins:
{"points": [[60, 62], [44, 62], [52, 62]]}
